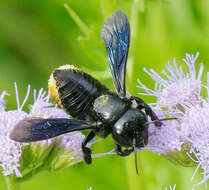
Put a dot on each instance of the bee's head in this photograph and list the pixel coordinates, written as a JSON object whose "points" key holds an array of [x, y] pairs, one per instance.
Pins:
{"points": [[130, 130]]}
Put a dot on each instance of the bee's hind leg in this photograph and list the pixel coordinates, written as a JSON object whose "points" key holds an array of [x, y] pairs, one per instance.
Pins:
{"points": [[85, 149]]}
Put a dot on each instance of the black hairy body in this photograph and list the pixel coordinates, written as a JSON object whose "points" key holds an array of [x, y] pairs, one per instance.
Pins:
{"points": [[76, 90]]}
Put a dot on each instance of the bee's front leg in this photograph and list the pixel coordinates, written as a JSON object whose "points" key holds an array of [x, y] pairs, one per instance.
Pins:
{"points": [[141, 104]]}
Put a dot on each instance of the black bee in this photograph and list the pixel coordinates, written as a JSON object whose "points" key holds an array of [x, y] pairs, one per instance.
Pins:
{"points": [[93, 105]]}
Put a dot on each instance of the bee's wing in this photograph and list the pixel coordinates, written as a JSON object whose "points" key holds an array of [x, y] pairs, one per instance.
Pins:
{"points": [[116, 36], [35, 129]]}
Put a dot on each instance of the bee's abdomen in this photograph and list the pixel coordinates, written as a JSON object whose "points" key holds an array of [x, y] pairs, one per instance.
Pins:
{"points": [[74, 90]]}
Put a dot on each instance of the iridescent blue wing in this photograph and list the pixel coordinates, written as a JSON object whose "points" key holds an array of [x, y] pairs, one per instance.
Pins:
{"points": [[116, 36], [36, 129]]}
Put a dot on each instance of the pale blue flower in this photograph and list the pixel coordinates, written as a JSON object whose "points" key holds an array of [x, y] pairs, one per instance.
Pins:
{"points": [[11, 152], [184, 141], [168, 138], [196, 126], [176, 87]]}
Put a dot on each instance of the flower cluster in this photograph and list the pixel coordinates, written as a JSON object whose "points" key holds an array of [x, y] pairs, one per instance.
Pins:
{"points": [[46, 154], [184, 141]]}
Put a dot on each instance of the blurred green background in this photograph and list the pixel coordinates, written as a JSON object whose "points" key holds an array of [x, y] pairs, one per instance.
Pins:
{"points": [[37, 36]]}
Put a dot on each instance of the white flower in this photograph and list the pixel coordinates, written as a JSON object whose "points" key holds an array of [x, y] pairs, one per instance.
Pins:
{"points": [[167, 138], [179, 95], [196, 126], [43, 108], [176, 87], [73, 141], [11, 152], [68, 151]]}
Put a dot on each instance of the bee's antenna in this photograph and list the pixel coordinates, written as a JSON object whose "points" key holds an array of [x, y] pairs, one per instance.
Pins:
{"points": [[164, 119], [135, 156]]}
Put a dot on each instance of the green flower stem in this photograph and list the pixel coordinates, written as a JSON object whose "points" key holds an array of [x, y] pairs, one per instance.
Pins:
{"points": [[141, 7], [134, 24], [136, 182], [83, 27], [11, 183], [30, 174]]}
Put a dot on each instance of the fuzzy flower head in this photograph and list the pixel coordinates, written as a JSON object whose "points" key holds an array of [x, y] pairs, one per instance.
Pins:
{"points": [[42, 154], [68, 151], [10, 151], [2, 100], [184, 141], [43, 108], [176, 88], [196, 129], [168, 138]]}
